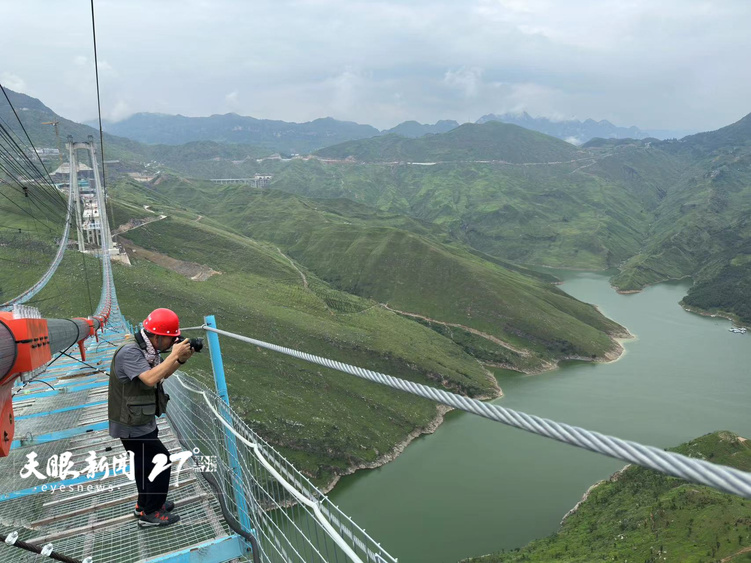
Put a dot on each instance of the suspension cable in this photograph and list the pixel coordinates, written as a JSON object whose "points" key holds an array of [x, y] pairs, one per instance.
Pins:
{"points": [[723, 478], [33, 290], [51, 183], [24, 166], [99, 110]]}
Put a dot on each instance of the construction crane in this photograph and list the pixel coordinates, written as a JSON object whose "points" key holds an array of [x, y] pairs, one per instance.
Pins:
{"points": [[57, 134]]}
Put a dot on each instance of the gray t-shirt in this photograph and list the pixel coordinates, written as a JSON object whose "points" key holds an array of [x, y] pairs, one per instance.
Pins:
{"points": [[130, 362]]}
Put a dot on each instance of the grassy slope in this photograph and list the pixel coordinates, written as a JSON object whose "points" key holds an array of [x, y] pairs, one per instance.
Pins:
{"points": [[703, 230], [395, 260], [641, 515], [325, 422], [552, 215], [658, 210]]}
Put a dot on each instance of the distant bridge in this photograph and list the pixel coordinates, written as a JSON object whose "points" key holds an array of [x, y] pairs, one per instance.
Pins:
{"points": [[257, 181]]}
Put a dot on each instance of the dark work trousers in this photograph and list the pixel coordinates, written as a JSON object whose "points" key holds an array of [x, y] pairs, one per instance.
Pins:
{"points": [[151, 495]]}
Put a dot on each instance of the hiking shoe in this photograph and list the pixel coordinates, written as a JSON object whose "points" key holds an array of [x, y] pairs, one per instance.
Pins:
{"points": [[168, 506], [157, 518]]}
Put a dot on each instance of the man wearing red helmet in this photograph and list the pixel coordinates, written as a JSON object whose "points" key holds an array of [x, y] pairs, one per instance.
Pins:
{"points": [[136, 398]]}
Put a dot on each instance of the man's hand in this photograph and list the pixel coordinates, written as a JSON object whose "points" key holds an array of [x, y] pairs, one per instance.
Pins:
{"points": [[182, 351]]}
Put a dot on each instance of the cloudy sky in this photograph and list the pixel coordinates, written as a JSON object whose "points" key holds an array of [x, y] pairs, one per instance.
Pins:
{"points": [[673, 64]]}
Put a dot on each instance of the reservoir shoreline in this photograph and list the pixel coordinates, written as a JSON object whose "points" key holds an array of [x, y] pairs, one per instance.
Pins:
{"points": [[613, 355], [678, 377]]}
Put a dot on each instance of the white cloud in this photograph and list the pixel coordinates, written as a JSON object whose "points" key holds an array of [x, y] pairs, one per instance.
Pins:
{"points": [[104, 66], [347, 88], [671, 64], [119, 111], [468, 80], [232, 101], [13, 81]]}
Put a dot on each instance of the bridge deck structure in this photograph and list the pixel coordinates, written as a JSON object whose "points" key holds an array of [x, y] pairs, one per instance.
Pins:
{"points": [[93, 517]]}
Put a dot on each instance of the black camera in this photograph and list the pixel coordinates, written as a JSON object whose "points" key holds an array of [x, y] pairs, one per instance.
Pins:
{"points": [[196, 344]]}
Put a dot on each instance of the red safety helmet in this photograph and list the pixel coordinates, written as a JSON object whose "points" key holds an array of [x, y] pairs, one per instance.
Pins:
{"points": [[163, 322]]}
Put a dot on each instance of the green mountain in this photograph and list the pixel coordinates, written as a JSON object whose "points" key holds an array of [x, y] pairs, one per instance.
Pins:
{"points": [[413, 129], [656, 210], [586, 214], [490, 141], [34, 114], [701, 227], [326, 422], [641, 515], [334, 278], [500, 315], [737, 134], [273, 135]]}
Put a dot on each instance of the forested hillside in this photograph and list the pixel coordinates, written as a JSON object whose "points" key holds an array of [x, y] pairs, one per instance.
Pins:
{"points": [[641, 515], [657, 210], [329, 277]]}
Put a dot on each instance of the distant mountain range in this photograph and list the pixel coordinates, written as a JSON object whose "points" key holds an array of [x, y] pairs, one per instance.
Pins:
{"points": [[281, 136], [37, 119], [579, 132], [302, 138]]}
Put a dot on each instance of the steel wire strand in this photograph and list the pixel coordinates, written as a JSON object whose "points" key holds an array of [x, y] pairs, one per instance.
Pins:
{"points": [[47, 179], [14, 146], [10, 156], [38, 550], [723, 478], [33, 290]]}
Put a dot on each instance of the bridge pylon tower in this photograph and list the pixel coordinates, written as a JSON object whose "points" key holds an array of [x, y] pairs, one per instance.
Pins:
{"points": [[92, 224]]}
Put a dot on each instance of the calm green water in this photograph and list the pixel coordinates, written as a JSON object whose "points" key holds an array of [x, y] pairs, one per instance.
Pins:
{"points": [[476, 486]]}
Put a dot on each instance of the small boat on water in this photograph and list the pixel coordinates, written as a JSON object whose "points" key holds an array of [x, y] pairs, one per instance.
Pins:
{"points": [[741, 330]]}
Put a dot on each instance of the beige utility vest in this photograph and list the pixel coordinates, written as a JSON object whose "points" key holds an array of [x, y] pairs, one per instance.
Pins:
{"points": [[134, 403]]}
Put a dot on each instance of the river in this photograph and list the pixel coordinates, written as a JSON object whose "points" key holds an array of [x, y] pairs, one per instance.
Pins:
{"points": [[476, 486]]}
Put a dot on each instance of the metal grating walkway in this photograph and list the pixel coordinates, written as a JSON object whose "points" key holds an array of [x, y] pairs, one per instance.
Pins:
{"points": [[65, 410]]}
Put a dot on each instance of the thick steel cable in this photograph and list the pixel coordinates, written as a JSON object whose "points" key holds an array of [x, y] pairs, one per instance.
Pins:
{"points": [[37, 287], [38, 550], [723, 478], [8, 160], [26, 212], [99, 111], [48, 179], [5, 133]]}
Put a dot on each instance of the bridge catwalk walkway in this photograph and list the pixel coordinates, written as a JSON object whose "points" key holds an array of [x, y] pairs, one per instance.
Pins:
{"points": [[94, 518]]}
